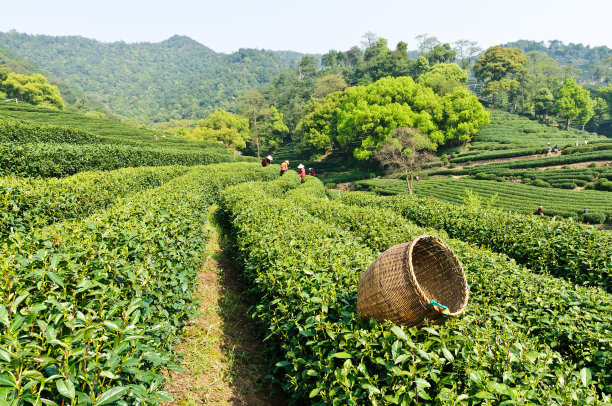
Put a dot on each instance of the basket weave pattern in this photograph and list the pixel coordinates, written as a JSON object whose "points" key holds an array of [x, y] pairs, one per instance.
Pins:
{"points": [[404, 280]]}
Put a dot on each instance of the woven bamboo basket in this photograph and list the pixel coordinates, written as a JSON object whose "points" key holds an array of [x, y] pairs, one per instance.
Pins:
{"points": [[410, 282]]}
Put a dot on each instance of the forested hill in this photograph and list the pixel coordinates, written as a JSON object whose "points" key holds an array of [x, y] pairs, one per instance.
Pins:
{"points": [[14, 63], [176, 78], [592, 63]]}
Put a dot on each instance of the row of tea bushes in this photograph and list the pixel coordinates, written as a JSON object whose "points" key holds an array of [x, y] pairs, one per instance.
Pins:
{"points": [[560, 247], [575, 321], [111, 131], [479, 155], [510, 196], [551, 177], [24, 132], [305, 269], [605, 155], [26, 203], [59, 160], [90, 308]]}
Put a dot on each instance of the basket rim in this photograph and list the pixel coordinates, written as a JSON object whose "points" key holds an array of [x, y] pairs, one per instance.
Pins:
{"points": [[459, 269]]}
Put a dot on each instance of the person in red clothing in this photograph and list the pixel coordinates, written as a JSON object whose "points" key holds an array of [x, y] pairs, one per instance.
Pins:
{"points": [[311, 172], [266, 161], [301, 171], [284, 167]]}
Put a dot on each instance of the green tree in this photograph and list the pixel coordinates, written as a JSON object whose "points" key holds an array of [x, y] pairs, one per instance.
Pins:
{"points": [[573, 102], [272, 130], [441, 53], [544, 103], [32, 89], [223, 126], [317, 129], [307, 67], [361, 118], [254, 106], [499, 63], [444, 77], [327, 84], [601, 111]]}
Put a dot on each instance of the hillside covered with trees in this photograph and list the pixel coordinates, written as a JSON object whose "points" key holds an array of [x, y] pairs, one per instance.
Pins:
{"points": [[174, 79], [590, 63]]}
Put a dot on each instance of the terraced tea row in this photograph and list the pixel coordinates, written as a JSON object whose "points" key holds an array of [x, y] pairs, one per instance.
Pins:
{"points": [[91, 307], [562, 248], [505, 195], [27, 203], [305, 270], [45, 160], [494, 279]]}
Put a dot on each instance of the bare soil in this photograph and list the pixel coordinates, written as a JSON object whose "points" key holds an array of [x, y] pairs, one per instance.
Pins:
{"points": [[223, 359]]}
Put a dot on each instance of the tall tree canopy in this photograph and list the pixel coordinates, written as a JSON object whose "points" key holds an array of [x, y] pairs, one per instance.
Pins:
{"points": [[266, 122], [574, 102], [228, 128], [362, 117], [501, 69], [444, 77], [32, 89], [498, 63]]}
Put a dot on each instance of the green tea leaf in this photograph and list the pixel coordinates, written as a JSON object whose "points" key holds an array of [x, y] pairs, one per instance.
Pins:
{"points": [[6, 380], [448, 355], [484, 395], [370, 388], [4, 316], [55, 259], [35, 375], [314, 392], [399, 332], [55, 278], [585, 376], [111, 395], [65, 387], [341, 355]]}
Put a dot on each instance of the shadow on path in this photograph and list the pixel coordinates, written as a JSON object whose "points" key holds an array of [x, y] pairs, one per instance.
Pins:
{"points": [[223, 359]]}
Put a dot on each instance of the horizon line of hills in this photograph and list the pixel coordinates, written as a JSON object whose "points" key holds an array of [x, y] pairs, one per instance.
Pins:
{"points": [[180, 78]]}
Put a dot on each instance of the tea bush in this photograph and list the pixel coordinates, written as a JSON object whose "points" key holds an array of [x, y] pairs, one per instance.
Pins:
{"points": [[562, 247], [22, 132], [27, 203], [302, 256], [45, 160], [91, 307]]}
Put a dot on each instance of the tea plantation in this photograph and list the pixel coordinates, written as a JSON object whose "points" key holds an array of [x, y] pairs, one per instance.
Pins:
{"points": [[547, 343], [102, 236], [33, 144], [505, 195]]}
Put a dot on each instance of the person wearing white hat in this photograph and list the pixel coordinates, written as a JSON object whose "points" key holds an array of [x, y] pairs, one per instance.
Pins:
{"points": [[301, 171], [266, 161], [284, 167]]}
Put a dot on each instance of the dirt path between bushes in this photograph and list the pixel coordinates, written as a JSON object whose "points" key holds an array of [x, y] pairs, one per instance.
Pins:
{"points": [[223, 359]]}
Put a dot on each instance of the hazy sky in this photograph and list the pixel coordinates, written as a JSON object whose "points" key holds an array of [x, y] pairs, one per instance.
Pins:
{"points": [[313, 26]]}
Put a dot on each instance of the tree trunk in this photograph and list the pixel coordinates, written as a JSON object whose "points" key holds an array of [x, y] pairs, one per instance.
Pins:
{"points": [[569, 120], [583, 126], [409, 183], [256, 135]]}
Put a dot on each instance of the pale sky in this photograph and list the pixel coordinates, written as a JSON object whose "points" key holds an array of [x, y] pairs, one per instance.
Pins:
{"points": [[313, 26]]}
